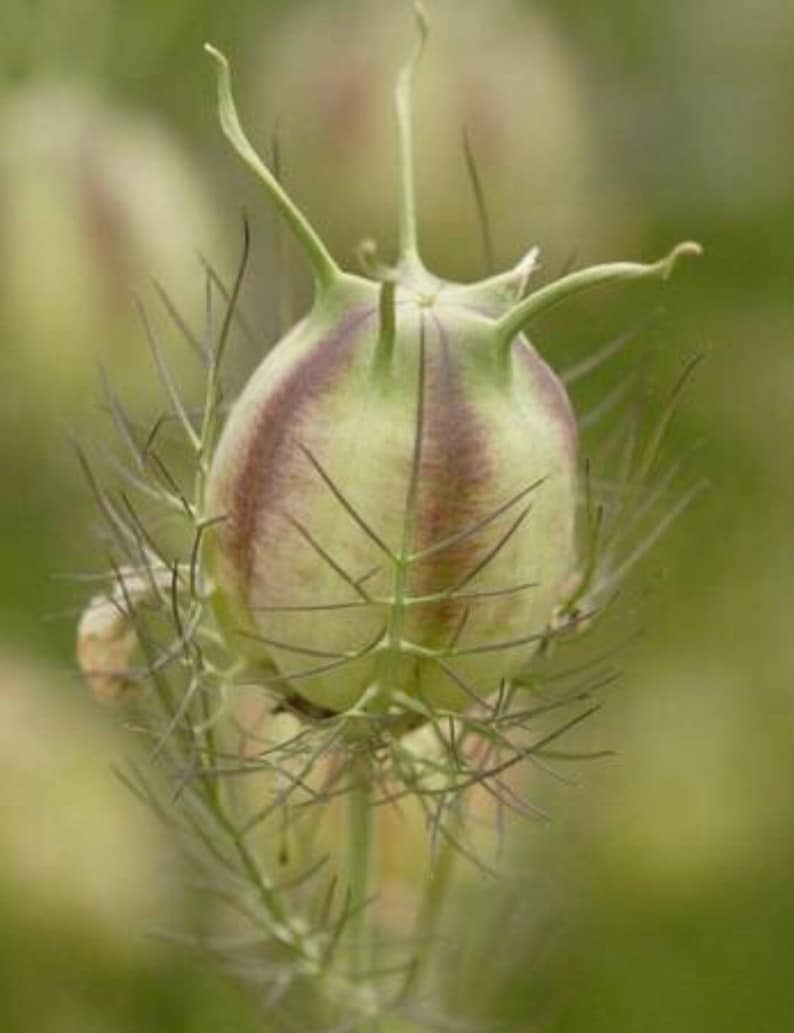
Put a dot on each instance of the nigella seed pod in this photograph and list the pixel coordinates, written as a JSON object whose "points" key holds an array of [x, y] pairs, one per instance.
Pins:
{"points": [[421, 487], [393, 497]]}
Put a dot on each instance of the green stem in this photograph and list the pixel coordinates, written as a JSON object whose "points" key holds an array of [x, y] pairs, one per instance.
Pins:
{"points": [[435, 893], [326, 271], [387, 332], [282, 924], [404, 105], [360, 871], [584, 279]]}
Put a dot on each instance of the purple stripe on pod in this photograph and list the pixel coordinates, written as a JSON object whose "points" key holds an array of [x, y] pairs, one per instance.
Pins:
{"points": [[261, 473]]}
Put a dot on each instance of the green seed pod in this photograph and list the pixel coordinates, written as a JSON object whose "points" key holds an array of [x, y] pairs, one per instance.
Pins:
{"points": [[394, 493]]}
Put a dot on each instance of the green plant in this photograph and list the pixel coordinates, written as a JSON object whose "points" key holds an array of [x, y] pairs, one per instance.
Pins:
{"points": [[353, 602]]}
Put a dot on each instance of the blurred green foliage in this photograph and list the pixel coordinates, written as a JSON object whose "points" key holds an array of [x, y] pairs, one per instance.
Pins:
{"points": [[660, 896]]}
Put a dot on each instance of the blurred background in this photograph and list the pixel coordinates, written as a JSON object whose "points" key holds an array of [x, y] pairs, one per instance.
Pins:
{"points": [[659, 897]]}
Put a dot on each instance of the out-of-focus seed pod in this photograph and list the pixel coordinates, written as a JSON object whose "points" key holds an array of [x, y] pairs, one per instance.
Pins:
{"points": [[105, 645], [93, 202], [106, 634], [498, 70]]}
